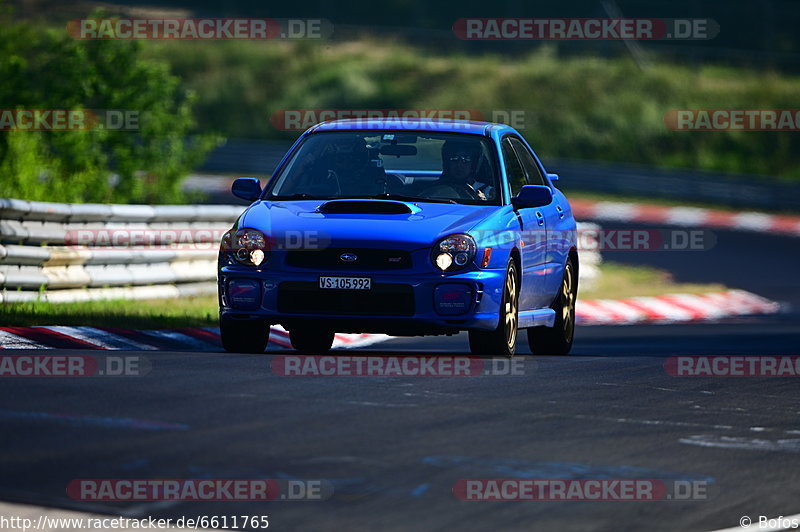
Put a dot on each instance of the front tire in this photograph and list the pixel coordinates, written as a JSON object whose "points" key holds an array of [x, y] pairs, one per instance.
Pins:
{"points": [[310, 341], [557, 340], [503, 340], [244, 336]]}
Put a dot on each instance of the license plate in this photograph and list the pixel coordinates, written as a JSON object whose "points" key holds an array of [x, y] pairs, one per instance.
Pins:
{"points": [[345, 283]]}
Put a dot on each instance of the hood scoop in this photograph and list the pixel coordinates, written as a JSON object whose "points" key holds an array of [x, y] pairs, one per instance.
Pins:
{"points": [[364, 207]]}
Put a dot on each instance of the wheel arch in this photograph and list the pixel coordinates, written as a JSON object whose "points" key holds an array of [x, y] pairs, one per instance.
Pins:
{"points": [[573, 255], [516, 256]]}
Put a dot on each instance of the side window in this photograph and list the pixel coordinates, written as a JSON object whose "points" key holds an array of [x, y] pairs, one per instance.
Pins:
{"points": [[535, 176], [514, 171]]}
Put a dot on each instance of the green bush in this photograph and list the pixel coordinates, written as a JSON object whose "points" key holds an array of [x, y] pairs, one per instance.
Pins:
{"points": [[47, 69]]}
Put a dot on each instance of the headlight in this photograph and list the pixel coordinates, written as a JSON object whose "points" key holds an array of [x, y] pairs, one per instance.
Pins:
{"points": [[454, 252], [248, 246]]}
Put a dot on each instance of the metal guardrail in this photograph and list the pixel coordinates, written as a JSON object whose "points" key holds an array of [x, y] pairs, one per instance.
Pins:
{"points": [[54, 251], [42, 256]]}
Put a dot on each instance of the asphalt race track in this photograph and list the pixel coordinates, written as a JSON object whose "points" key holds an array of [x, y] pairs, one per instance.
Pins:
{"points": [[391, 449]]}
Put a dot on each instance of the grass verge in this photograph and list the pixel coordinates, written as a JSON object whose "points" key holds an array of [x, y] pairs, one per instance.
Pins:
{"points": [[619, 281], [127, 314]]}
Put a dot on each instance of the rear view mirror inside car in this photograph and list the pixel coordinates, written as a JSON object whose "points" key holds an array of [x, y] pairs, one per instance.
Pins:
{"points": [[398, 150]]}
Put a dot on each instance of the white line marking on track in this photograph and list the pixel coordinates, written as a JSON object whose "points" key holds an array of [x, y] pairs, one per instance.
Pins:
{"points": [[690, 216], [611, 210], [12, 341], [98, 338], [664, 422], [754, 221], [115, 340], [791, 445]]}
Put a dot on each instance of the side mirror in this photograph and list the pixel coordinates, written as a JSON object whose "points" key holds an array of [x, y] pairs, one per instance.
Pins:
{"points": [[552, 177], [532, 196], [247, 188]]}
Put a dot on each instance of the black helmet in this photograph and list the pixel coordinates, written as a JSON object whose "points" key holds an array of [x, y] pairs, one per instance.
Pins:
{"points": [[352, 153], [453, 148]]}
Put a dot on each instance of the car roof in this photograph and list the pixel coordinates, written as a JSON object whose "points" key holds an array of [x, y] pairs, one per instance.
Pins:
{"points": [[406, 124]]}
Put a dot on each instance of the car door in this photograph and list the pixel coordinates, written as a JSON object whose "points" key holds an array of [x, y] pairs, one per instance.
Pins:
{"points": [[555, 222], [533, 250]]}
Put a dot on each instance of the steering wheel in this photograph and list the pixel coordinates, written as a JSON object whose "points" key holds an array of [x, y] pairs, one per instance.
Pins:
{"points": [[329, 184], [459, 190], [394, 183]]}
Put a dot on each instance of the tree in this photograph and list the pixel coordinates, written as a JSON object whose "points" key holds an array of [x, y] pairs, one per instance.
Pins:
{"points": [[48, 69]]}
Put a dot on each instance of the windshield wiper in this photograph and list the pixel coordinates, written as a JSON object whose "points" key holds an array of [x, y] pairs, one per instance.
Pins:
{"points": [[299, 195], [388, 195], [401, 197]]}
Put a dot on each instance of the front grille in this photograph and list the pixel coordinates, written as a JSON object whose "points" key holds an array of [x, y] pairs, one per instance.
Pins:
{"points": [[296, 297], [365, 259]]}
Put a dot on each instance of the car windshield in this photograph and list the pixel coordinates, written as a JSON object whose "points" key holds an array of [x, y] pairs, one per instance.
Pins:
{"points": [[413, 166]]}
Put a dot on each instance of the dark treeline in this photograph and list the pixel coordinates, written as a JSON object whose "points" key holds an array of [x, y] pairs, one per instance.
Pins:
{"points": [[752, 31]]}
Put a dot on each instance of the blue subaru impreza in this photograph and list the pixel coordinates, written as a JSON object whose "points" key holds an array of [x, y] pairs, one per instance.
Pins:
{"points": [[402, 227]]}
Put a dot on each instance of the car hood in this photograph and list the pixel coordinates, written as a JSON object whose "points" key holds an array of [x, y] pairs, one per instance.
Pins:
{"points": [[292, 222]]}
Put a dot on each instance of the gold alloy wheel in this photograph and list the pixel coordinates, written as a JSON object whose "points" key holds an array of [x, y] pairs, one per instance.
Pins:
{"points": [[511, 308], [568, 302]]}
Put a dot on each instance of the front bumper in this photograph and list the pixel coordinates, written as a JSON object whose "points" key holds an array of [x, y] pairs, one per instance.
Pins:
{"points": [[422, 310]]}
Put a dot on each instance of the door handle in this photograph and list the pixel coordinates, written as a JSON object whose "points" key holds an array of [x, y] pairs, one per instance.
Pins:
{"points": [[540, 218], [560, 211]]}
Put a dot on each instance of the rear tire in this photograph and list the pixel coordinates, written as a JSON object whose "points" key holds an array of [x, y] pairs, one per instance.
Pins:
{"points": [[557, 340], [310, 341], [503, 340], [244, 336]]}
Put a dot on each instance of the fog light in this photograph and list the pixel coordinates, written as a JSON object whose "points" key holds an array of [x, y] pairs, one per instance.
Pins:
{"points": [[244, 293], [452, 299]]}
